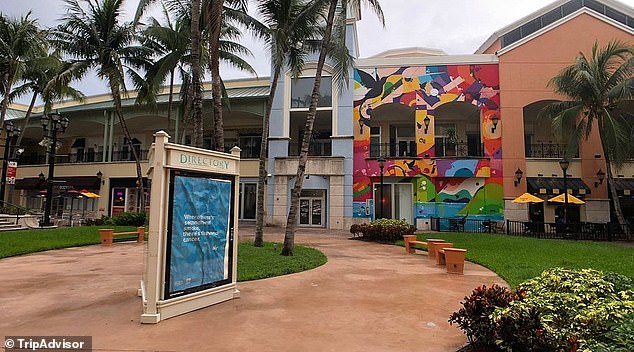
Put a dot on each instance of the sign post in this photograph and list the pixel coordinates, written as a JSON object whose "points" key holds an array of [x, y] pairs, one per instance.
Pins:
{"points": [[191, 258]]}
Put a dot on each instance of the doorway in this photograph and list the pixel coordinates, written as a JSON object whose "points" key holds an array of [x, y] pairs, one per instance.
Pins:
{"points": [[397, 201], [312, 208]]}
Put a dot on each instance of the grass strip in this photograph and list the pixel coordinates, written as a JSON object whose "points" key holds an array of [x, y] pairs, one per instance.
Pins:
{"points": [[517, 259]]}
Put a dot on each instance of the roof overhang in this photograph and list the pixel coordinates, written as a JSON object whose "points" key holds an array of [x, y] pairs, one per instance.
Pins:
{"points": [[558, 23], [428, 61], [616, 5]]}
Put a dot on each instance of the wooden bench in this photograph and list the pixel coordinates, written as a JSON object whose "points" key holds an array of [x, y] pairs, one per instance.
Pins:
{"points": [[411, 242], [107, 235], [453, 258]]}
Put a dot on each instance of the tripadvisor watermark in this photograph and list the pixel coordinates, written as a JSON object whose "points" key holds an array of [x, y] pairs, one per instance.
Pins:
{"points": [[48, 343]]}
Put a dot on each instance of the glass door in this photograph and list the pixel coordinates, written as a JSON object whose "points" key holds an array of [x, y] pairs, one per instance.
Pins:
{"points": [[312, 208], [383, 207], [247, 201]]}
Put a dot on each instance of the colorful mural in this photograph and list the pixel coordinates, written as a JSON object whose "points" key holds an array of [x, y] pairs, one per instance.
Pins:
{"points": [[443, 186]]}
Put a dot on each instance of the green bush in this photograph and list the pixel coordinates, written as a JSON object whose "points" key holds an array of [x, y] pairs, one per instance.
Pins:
{"points": [[560, 310], [563, 309], [474, 316], [383, 230], [618, 338], [14, 211], [126, 219]]}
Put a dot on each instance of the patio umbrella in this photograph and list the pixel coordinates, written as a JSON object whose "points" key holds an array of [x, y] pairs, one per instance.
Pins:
{"points": [[88, 194], [527, 198], [571, 199]]}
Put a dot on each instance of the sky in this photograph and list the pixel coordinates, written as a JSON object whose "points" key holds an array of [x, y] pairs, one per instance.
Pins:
{"points": [[454, 26]]}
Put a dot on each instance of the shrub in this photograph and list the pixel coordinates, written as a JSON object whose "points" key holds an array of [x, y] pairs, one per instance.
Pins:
{"points": [[618, 338], [383, 230], [14, 211], [564, 309], [560, 310], [474, 316], [127, 219]]}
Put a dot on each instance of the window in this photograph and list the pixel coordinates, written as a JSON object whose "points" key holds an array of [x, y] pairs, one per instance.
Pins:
{"points": [[250, 145], [302, 88], [375, 142], [445, 146]]}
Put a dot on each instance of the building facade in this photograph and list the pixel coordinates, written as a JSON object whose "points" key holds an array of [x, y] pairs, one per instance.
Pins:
{"points": [[414, 133]]}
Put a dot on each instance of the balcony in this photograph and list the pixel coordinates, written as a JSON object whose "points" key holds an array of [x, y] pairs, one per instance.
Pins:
{"points": [[407, 149], [547, 151], [317, 148], [72, 158]]}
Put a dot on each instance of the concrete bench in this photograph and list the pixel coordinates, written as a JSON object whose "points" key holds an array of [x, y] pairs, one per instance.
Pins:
{"points": [[107, 235], [453, 258]]}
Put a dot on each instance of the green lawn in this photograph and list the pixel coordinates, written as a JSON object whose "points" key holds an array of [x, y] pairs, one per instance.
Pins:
{"points": [[28, 241], [516, 259], [253, 263], [262, 262]]}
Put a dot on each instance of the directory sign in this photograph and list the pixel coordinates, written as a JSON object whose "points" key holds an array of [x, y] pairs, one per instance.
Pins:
{"points": [[199, 235]]}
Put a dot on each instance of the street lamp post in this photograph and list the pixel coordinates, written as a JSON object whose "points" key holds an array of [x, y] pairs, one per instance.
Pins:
{"points": [[10, 133], [381, 166], [564, 163], [51, 123]]}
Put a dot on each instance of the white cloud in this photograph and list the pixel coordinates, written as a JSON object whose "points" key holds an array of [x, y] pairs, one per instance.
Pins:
{"points": [[455, 26]]}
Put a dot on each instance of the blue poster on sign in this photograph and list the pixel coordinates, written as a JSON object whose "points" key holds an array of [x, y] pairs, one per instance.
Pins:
{"points": [[199, 250]]}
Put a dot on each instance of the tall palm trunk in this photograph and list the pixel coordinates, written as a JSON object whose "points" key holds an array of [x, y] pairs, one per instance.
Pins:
{"points": [[197, 118], [170, 102], [214, 62], [291, 221], [611, 184], [116, 97], [264, 143], [5, 99], [27, 117]]}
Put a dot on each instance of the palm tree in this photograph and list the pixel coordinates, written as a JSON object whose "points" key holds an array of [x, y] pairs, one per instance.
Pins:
{"points": [[289, 22], [596, 88], [214, 27], [96, 38], [170, 45], [339, 29], [20, 41], [48, 77], [226, 49]]}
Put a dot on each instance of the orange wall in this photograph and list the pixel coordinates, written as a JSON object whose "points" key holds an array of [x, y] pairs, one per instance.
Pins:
{"points": [[524, 75]]}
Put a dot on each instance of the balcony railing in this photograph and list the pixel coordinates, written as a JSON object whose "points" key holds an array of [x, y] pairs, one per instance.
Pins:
{"points": [[407, 149], [547, 151], [119, 155], [318, 148]]}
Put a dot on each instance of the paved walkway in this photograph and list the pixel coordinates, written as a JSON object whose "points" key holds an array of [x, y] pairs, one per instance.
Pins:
{"points": [[368, 297]]}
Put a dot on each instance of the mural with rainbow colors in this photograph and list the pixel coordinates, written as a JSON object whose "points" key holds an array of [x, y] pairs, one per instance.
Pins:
{"points": [[443, 186]]}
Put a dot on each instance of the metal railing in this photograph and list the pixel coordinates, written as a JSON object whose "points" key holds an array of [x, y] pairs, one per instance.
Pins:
{"points": [[119, 155], [407, 149], [463, 224], [318, 148], [547, 151], [576, 231], [544, 230]]}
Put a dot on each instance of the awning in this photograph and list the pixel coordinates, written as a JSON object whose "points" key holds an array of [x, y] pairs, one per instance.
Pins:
{"points": [[72, 182], [624, 187], [555, 186]]}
